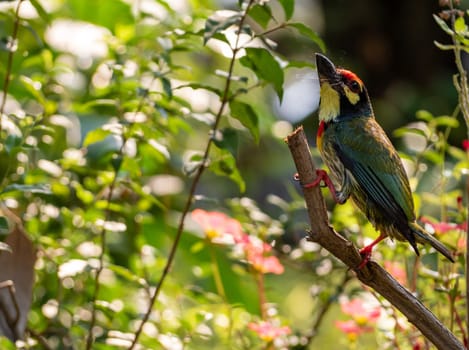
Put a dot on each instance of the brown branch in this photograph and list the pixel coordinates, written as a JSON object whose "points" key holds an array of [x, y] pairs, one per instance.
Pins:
{"points": [[372, 275]]}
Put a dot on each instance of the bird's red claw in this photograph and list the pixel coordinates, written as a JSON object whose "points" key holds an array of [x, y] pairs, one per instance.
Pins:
{"points": [[322, 176], [366, 256]]}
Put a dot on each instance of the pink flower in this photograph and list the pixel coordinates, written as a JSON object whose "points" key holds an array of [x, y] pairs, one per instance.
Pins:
{"points": [[267, 331], [443, 227], [352, 328], [256, 252], [216, 224], [360, 311], [396, 270]]}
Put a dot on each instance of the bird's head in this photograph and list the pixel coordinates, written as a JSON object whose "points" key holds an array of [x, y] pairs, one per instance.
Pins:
{"points": [[343, 94]]}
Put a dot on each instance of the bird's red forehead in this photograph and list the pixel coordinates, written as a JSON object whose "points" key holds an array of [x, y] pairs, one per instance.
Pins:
{"points": [[348, 75]]}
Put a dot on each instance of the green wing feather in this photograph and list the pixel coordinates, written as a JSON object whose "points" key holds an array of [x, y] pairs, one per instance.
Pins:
{"points": [[365, 150]]}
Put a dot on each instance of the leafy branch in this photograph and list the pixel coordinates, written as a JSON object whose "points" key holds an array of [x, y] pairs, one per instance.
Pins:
{"points": [[198, 174], [458, 32]]}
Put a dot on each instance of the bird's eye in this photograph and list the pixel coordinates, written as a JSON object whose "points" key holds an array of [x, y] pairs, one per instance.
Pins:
{"points": [[354, 86]]}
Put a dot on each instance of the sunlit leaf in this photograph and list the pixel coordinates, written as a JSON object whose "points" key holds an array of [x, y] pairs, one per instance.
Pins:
{"points": [[424, 115], [446, 121], [95, 135], [457, 153], [433, 156], [460, 25], [400, 132]]}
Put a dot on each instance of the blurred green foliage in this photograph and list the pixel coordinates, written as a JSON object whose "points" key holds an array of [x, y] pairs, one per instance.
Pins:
{"points": [[114, 108]]}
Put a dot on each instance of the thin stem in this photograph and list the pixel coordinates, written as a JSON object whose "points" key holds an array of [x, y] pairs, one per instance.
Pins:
{"points": [[9, 66], [195, 182], [99, 270], [259, 277], [216, 271], [467, 260], [103, 233], [463, 94]]}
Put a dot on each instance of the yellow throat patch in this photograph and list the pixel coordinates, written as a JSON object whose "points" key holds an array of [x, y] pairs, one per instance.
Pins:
{"points": [[329, 107]]}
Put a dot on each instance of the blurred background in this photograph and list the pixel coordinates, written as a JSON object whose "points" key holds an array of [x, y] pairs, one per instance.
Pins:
{"points": [[81, 69]]}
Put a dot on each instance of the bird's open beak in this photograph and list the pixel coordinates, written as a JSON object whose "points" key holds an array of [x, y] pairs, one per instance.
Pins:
{"points": [[326, 70]]}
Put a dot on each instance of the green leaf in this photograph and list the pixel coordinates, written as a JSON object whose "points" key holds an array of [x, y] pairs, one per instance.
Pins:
{"points": [[126, 274], [40, 10], [288, 8], [4, 227], [434, 157], [443, 46], [95, 135], [6, 344], [12, 142], [220, 21], [247, 116], [205, 87], [443, 25], [106, 13], [309, 33], [400, 132], [424, 115], [167, 87], [224, 164], [446, 121], [460, 25], [197, 247], [228, 141], [262, 14], [265, 66], [457, 153], [37, 188]]}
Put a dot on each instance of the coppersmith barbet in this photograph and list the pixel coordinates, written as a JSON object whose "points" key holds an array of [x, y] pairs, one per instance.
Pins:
{"points": [[362, 161]]}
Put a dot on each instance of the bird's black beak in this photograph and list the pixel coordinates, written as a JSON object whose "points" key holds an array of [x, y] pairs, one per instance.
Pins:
{"points": [[326, 69]]}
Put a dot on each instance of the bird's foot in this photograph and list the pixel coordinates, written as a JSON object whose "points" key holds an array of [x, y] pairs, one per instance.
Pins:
{"points": [[322, 180], [365, 252]]}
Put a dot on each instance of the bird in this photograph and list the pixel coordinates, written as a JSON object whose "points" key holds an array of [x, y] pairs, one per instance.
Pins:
{"points": [[363, 163]]}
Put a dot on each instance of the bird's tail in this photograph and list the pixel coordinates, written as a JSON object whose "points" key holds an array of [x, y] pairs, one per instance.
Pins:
{"points": [[423, 237]]}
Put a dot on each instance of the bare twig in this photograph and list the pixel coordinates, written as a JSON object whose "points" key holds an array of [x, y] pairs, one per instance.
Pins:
{"points": [[372, 275], [100, 268]]}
